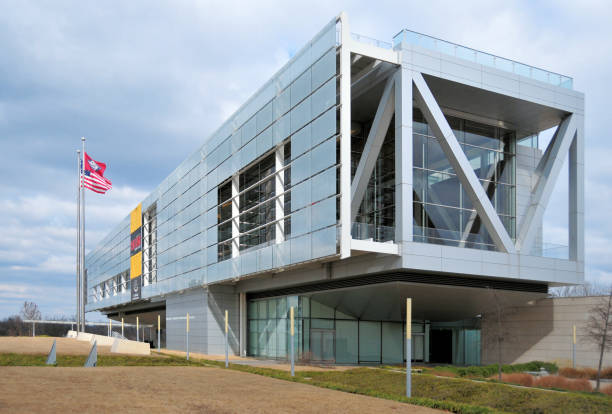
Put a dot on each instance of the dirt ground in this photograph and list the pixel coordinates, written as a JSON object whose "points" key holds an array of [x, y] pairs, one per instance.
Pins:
{"points": [[42, 345], [173, 389]]}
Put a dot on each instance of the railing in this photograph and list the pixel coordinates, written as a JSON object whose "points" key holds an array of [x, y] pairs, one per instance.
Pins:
{"points": [[371, 41], [487, 59], [365, 231], [552, 250]]}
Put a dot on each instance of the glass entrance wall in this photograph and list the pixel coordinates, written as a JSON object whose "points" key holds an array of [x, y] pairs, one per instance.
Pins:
{"points": [[327, 335]]}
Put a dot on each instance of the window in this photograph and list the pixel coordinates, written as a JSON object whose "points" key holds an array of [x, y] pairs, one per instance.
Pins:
{"points": [[443, 213]]}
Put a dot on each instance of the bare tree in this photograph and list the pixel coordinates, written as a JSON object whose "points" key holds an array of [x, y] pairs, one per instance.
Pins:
{"points": [[493, 327], [29, 310], [598, 328], [586, 289]]}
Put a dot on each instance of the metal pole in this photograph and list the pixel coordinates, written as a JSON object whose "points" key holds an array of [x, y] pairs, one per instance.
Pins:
{"points": [[226, 345], [33, 328], [187, 336], [110, 327], [137, 331], [122, 328], [82, 284], [408, 347], [158, 333], [292, 345], [574, 348], [78, 240]]}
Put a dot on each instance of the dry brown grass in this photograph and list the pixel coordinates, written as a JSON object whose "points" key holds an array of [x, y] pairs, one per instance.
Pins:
{"points": [[520, 379], [556, 381], [607, 389], [578, 373]]}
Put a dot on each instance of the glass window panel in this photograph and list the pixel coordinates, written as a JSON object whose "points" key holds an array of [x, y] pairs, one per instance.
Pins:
{"points": [[248, 153], [369, 341], [436, 159], [346, 342], [482, 161], [324, 97], [322, 323], [301, 249], [481, 135], [442, 222], [249, 129], [323, 213], [442, 189], [301, 222], [504, 199], [323, 185], [323, 156], [324, 242], [282, 103], [300, 115], [300, 195], [282, 128], [252, 314], [264, 141], [281, 308], [392, 343], [281, 254], [300, 168], [324, 69], [300, 141], [418, 149], [505, 168], [301, 88], [264, 117], [324, 126], [263, 309], [326, 40]]}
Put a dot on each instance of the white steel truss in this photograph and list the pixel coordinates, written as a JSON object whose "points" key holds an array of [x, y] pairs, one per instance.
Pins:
{"points": [[547, 173], [457, 158], [374, 142]]}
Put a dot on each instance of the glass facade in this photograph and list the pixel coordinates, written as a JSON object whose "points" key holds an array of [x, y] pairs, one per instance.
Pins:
{"points": [[326, 335], [296, 110], [376, 216], [443, 213]]}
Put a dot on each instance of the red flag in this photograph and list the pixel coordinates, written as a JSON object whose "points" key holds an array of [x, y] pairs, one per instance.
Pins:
{"points": [[93, 176]]}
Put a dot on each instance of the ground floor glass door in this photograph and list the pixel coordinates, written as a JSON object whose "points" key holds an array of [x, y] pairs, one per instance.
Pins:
{"points": [[322, 345]]}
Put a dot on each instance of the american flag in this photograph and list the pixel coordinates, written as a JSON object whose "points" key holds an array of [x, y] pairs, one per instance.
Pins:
{"points": [[93, 176]]}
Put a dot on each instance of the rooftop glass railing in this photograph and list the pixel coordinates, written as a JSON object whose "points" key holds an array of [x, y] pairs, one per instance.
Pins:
{"points": [[487, 59], [371, 41]]}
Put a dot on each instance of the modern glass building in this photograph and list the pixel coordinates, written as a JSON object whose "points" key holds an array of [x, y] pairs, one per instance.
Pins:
{"points": [[361, 174]]}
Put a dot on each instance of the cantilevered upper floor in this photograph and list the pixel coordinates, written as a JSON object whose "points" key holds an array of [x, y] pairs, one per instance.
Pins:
{"points": [[419, 155]]}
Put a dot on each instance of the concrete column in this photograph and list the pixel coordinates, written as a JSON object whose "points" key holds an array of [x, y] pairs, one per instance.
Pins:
{"points": [[576, 194], [345, 138], [403, 156]]}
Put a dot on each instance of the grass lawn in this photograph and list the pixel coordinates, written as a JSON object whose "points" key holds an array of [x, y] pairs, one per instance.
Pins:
{"points": [[453, 394]]}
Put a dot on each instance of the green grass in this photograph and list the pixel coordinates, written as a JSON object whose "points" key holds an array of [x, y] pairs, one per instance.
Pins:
{"points": [[103, 360], [457, 395]]}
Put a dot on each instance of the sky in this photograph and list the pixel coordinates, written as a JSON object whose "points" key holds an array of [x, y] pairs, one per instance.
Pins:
{"points": [[147, 82]]}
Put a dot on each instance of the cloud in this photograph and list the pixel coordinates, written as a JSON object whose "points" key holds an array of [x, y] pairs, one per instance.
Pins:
{"points": [[147, 83]]}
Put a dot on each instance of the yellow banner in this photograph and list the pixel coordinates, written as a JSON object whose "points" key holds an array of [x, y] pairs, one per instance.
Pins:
{"points": [[136, 265], [136, 218]]}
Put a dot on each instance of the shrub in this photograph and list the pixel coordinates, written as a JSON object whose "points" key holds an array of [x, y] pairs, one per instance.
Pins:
{"points": [[577, 373], [520, 379], [555, 381], [605, 373], [607, 389]]}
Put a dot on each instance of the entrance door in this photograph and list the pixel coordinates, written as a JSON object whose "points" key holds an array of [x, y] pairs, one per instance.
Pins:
{"points": [[441, 346], [322, 345]]}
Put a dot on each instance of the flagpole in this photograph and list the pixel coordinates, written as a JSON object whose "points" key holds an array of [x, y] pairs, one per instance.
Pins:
{"points": [[81, 299], [78, 244]]}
